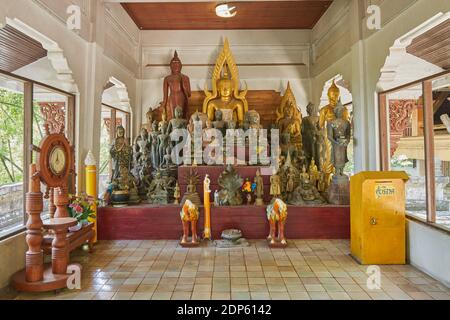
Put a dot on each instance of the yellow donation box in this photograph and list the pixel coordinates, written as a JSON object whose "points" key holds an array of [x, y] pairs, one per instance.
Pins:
{"points": [[377, 217]]}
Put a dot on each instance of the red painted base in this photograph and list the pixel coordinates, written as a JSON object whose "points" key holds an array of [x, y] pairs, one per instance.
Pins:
{"points": [[147, 222]]}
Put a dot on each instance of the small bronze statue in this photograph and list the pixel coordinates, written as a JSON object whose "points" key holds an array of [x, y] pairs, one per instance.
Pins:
{"points": [[191, 193], [275, 185], [277, 215], [218, 123], [158, 192], [259, 190], [124, 190], [121, 153], [339, 133], [177, 194], [149, 116], [290, 183], [163, 142], [311, 134], [304, 176], [154, 150], [177, 122], [314, 173]]}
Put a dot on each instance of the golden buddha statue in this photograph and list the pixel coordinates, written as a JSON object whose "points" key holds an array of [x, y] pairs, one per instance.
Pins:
{"points": [[327, 115], [226, 95], [289, 118]]}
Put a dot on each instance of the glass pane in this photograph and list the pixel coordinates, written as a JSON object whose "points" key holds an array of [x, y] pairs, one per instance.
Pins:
{"points": [[406, 144], [11, 155], [49, 108], [105, 142], [441, 121]]}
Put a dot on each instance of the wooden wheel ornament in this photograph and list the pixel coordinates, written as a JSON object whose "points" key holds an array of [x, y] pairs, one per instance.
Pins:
{"points": [[54, 160]]}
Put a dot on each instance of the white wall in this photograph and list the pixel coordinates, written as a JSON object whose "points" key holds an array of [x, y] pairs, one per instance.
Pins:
{"points": [[429, 250], [12, 257]]}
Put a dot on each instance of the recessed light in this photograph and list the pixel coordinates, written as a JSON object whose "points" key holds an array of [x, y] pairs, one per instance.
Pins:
{"points": [[225, 11]]}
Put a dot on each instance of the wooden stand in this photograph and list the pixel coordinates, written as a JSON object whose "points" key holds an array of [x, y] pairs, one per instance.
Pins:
{"points": [[36, 278], [34, 205], [59, 245]]}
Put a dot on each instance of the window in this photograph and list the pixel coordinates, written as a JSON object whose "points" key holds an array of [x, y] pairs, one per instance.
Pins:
{"points": [[49, 108], [11, 154], [415, 137], [25, 107]]}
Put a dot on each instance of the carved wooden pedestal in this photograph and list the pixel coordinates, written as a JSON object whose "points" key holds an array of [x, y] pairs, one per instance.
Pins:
{"points": [[34, 204], [36, 277]]}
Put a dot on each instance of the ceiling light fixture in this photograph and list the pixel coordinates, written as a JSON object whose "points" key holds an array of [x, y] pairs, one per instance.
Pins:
{"points": [[225, 11]]}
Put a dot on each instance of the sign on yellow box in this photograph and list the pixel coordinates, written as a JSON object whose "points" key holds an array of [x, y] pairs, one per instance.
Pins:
{"points": [[377, 217]]}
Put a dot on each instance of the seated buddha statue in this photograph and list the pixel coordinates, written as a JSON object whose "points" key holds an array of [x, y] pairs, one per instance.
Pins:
{"points": [[290, 125], [232, 108]]}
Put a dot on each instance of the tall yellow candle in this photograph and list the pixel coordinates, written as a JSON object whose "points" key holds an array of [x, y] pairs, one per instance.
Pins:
{"points": [[207, 207], [91, 185]]}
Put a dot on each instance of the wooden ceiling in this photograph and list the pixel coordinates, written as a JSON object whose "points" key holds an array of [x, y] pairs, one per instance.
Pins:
{"points": [[18, 50], [250, 15], [433, 46]]}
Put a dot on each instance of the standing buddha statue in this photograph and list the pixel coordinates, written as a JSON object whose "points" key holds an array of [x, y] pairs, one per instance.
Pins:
{"points": [[121, 153], [326, 115], [312, 139], [176, 88]]}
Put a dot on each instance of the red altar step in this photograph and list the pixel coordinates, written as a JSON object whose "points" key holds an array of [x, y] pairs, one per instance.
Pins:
{"points": [[148, 222]]}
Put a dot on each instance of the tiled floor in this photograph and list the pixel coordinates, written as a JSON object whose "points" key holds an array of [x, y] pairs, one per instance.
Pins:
{"points": [[307, 269]]}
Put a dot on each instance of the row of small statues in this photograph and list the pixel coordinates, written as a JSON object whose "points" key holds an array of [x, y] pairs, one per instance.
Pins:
{"points": [[307, 187]]}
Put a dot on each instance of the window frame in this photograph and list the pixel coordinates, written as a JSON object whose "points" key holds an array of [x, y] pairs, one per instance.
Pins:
{"points": [[428, 135], [28, 102]]}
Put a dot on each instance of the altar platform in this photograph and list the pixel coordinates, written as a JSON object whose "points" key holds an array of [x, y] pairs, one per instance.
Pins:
{"points": [[147, 222]]}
